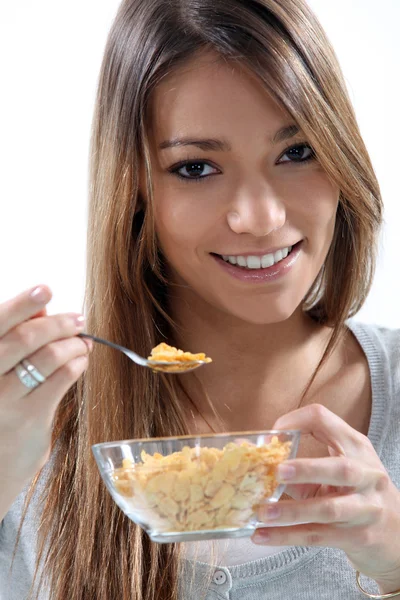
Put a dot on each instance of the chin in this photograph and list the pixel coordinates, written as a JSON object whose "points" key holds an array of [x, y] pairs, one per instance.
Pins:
{"points": [[267, 314]]}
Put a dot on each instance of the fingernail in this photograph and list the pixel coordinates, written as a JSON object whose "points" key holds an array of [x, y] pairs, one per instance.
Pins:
{"points": [[80, 321], [39, 295], [261, 536], [285, 472], [271, 512]]}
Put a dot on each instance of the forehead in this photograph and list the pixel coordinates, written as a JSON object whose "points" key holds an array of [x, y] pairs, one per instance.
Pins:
{"points": [[214, 93]]}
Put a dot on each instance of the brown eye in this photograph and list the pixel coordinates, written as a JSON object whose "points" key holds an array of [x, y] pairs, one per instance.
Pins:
{"points": [[299, 153], [193, 169]]}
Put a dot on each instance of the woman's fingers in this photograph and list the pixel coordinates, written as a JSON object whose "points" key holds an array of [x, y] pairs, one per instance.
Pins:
{"points": [[344, 511], [313, 534], [47, 360], [29, 336], [335, 471], [328, 428], [22, 307]]}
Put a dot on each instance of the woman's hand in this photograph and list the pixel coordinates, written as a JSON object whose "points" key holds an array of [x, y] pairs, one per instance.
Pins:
{"points": [[346, 500], [51, 344]]}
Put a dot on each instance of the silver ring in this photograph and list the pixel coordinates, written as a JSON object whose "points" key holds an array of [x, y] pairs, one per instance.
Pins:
{"points": [[25, 377], [33, 371]]}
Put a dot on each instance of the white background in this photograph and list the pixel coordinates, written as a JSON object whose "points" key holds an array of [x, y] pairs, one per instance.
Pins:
{"points": [[50, 59]]}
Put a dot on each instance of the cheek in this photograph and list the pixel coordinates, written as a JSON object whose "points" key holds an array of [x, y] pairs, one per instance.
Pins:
{"points": [[324, 218], [317, 206], [320, 220], [181, 226]]}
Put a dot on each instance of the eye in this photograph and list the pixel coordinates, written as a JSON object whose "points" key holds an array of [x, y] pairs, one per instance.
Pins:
{"points": [[193, 169], [299, 153]]}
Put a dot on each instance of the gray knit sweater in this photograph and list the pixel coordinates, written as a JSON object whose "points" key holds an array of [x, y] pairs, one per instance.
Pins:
{"points": [[302, 573]]}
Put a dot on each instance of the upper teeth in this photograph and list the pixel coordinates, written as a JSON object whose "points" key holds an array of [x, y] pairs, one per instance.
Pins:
{"points": [[258, 262]]}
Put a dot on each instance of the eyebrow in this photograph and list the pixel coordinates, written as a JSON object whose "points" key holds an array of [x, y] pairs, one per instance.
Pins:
{"points": [[209, 144], [285, 133], [203, 144]]}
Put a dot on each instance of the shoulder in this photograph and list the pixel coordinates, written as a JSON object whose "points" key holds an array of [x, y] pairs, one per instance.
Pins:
{"points": [[381, 346], [384, 339]]}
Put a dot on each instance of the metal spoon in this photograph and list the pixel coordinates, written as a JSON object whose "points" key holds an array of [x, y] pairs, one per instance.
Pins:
{"points": [[154, 365]]}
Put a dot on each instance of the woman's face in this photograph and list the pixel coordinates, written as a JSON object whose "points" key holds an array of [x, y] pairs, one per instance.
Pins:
{"points": [[236, 187]]}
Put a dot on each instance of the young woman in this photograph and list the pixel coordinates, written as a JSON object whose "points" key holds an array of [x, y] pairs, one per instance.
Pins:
{"points": [[233, 210]]}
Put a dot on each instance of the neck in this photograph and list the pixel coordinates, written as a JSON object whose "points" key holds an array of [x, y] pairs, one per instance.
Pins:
{"points": [[258, 373]]}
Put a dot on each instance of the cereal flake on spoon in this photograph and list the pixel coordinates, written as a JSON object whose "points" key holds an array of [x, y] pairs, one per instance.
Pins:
{"points": [[166, 353]]}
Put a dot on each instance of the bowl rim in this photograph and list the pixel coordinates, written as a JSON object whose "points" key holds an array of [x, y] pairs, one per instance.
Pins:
{"points": [[294, 432]]}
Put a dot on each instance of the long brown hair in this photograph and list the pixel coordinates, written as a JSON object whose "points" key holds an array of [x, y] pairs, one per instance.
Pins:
{"points": [[91, 550]]}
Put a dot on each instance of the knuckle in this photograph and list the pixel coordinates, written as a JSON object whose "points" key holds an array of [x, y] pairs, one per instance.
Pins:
{"points": [[364, 441], [383, 482], [332, 512], [377, 513], [54, 354], [318, 412], [366, 537], [349, 473], [25, 337]]}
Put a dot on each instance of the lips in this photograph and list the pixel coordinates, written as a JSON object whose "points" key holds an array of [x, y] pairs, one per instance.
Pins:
{"points": [[253, 261], [255, 274], [257, 260]]}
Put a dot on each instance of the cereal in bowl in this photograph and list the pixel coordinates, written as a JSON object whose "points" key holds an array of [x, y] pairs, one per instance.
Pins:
{"points": [[201, 488]]}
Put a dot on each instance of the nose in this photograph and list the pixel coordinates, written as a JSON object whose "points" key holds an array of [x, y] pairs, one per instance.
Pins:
{"points": [[258, 212]]}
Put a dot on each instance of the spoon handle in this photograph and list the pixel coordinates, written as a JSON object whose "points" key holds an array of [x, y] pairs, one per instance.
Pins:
{"points": [[143, 362], [105, 342]]}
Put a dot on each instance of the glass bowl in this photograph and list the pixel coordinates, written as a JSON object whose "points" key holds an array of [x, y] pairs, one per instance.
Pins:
{"points": [[196, 487]]}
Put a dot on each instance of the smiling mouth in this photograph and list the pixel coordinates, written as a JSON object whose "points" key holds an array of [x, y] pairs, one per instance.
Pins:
{"points": [[259, 262]]}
